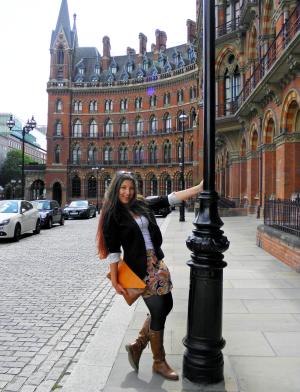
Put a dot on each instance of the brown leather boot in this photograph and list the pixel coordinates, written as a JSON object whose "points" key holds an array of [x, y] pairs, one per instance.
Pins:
{"points": [[136, 348], [160, 365]]}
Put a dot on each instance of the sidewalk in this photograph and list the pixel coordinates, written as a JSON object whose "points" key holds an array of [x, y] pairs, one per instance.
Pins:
{"points": [[261, 323]]}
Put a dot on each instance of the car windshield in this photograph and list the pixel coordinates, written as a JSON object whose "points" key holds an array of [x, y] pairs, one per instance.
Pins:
{"points": [[43, 205], [7, 207], [79, 203]]}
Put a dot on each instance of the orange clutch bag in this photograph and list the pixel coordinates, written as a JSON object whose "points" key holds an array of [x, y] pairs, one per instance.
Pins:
{"points": [[130, 281]]}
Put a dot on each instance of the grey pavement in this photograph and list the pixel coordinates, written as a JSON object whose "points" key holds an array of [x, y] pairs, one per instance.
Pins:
{"points": [[53, 297], [261, 323]]}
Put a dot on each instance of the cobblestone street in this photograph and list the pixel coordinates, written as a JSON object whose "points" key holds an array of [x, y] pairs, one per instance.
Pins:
{"points": [[54, 294]]}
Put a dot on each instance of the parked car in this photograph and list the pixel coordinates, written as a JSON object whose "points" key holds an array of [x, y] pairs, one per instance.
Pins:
{"points": [[18, 217], [158, 211], [50, 212], [80, 209]]}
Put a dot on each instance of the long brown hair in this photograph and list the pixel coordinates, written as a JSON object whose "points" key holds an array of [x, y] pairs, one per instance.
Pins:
{"points": [[112, 207]]}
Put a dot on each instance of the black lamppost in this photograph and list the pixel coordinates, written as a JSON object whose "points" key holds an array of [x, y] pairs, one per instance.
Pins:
{"points": [[182, 118], [203, 359], [97, 169], [29, 126]]}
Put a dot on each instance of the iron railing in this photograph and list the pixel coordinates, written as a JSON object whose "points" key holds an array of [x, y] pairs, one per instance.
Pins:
{"points": [[283, 215]]}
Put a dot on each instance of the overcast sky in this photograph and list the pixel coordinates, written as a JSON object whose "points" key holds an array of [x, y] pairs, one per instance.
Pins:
{"points": [[25, 31]]}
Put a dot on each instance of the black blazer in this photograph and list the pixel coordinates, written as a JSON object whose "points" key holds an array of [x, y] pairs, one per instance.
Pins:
{"points": [[124, 232]]}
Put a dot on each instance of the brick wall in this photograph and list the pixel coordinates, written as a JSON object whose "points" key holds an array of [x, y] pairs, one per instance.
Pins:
{"points": [[283, 246]]}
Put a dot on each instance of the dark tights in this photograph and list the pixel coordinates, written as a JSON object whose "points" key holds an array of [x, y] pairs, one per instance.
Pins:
{"points": [[159, 307]]}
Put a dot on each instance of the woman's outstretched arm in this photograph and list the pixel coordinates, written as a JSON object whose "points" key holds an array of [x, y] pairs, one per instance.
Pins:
{"points": [[189, 192]]}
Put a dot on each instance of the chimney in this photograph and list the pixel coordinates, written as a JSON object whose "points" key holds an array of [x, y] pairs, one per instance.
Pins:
{"points": [[161, 40], [191, 31], [130, 51], [143, 43], [106, 53]]}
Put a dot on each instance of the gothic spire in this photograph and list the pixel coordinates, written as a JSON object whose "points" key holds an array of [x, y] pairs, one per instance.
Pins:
{"points": [[63, 23]]}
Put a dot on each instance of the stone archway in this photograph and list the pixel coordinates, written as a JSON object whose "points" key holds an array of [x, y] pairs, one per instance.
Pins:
{"points": [[57, 192]]}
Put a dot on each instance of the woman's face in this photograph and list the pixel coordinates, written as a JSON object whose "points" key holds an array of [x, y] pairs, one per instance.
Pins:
{"points": [[126, 192]]}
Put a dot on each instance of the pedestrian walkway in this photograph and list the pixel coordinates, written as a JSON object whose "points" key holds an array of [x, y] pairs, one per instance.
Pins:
{"points": [[261, 323]]}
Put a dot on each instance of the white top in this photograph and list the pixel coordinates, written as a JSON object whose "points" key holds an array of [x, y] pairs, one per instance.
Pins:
{"points": [[143, 224]]}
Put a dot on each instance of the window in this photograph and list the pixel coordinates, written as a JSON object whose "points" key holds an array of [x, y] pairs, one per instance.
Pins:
{"points": [[77, 106], [93, 107], [76, 155], [153, 124], [77, 129], [179, 151], [123, 154], [138, 103], [153, 185], [60, 56], [76, 186], [138, 154], [92, 153], [108, 106], [107, 155], [92, 187], [59, 106], [93, 129], [123, 104], [124, 127], [152, 101], [108, 128], [180, 96], [232, 86], [58, 128], [167, 152], [167, 123], [152, 153], [139, 126], [167, 98]]}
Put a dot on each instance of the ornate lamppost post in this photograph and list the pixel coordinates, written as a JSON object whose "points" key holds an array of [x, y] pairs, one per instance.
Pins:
{"points": [[182, 118], [29, 126], [203, 359]]}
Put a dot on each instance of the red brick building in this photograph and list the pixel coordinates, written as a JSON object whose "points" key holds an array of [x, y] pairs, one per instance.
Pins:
{"points": [[120, 113], [258, 100]]}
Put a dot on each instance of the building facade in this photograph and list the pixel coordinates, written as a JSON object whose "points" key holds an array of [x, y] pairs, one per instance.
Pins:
{"points": [[258, 100], [120, 113]]}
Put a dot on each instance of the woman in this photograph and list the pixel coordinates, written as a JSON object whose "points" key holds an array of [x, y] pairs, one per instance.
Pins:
{"points": [[127, 221]]}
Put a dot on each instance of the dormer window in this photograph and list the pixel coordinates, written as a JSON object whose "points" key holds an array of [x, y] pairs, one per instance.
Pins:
{"points": [[145, 65], [129, 67], [97, 69], [81, 71], [114, 69]]}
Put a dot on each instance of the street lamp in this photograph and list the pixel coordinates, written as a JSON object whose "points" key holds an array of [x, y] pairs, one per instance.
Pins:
{"points": [[97, 187], [29, 126], [203, 359], [182, 118]]}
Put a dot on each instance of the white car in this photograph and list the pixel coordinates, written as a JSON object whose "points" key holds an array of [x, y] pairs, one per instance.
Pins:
{"points": [[18, 217]]}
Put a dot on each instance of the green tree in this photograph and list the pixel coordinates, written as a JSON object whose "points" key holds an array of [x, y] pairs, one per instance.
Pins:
{"points": [[12, 166]]}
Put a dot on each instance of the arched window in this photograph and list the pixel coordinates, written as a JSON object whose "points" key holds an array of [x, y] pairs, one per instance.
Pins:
{"points": [[123, 154], [152, 101], [60, 56], [76, 155], [92, 187], [108, 105], [124, 127], [58, 128], [153, 185], [57, 152], [167, 123], [152, 153], [138, 103], [77, 106], [108, 128], [93, 106], [139, 126], [77, 129], [167, 152], [107, 155], [191, 151], [180, 96], [92, 154], [93, 129], [59, 106], [138, 154], [76, 186], [153, 124], [179, 151], [167, 98]]}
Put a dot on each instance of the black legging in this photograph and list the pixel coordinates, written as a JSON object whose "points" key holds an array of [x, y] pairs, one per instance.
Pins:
{"points": [[159, 307]]}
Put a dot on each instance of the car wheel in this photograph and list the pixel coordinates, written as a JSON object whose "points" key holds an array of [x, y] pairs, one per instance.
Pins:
{"points": [[62, 220], [50, 223], [37, 229], [17, 232]]}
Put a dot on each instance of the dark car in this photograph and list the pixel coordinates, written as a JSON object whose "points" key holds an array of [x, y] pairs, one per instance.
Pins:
{"points": [[158, 211], [50, 212], [80, 209]]}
